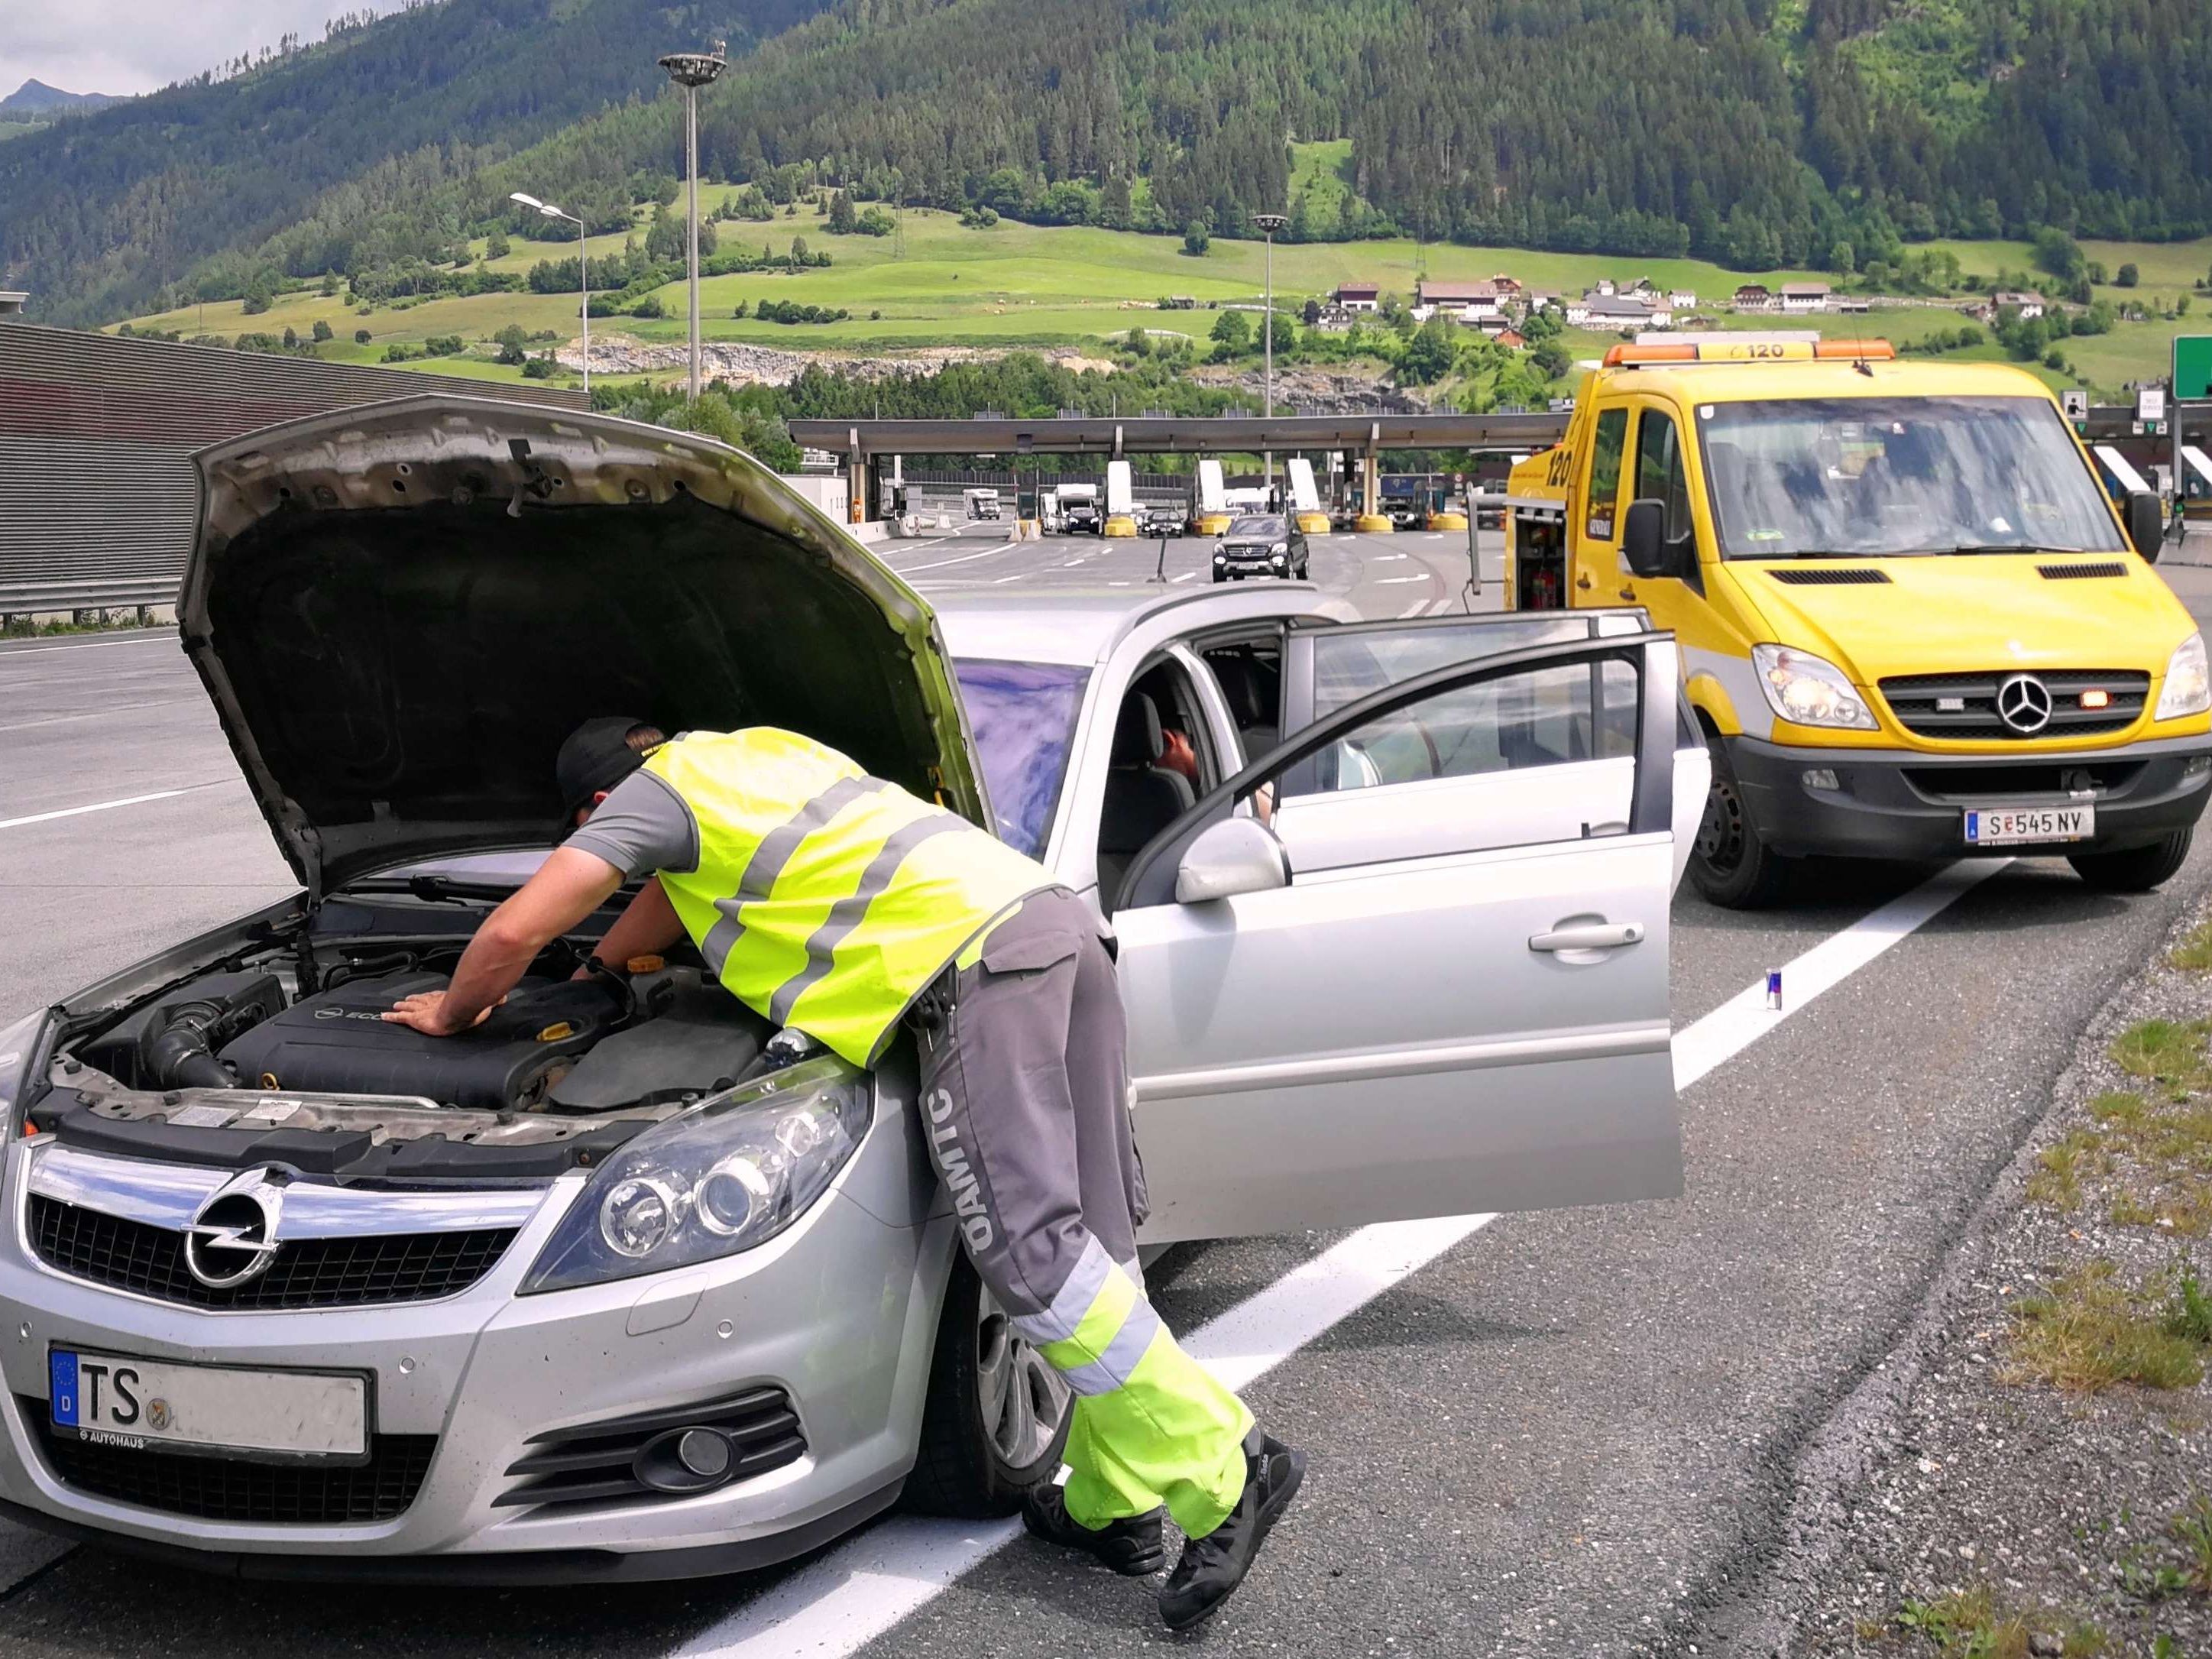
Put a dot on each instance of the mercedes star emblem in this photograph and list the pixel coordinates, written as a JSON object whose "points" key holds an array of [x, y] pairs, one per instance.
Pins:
{"points": [[233, 1238], [2024, 704]]}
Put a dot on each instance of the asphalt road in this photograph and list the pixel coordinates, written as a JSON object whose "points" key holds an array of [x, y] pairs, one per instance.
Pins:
{"points": [[1568, 1434]]}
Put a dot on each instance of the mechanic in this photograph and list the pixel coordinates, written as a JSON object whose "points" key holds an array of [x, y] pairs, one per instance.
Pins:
{"points": [[837, 904]]}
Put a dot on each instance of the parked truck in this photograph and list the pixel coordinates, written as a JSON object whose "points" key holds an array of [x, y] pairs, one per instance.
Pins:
{"points": [[1912, 624]]}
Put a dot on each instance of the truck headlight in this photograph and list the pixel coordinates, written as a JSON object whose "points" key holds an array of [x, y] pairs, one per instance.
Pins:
{"points": [[2188, 684], [1808, 689], [725, 1176]]}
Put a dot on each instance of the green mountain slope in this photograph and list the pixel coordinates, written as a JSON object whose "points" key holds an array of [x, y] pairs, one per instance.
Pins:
{"points": [[1760, 133]]}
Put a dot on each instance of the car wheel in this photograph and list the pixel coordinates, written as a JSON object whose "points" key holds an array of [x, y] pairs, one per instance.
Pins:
{"points": [[1730, 865], [998, 1412], [2137, 869]]}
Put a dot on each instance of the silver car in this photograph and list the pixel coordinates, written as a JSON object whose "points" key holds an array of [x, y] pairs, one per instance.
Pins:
{"points": [[623, 1285]]}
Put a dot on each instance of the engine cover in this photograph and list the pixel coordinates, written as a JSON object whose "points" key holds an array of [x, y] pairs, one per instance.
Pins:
{"points": [[336, 1042]]}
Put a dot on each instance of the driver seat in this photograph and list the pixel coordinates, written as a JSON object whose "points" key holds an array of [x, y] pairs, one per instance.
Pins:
{"points": [[1143, 795]]}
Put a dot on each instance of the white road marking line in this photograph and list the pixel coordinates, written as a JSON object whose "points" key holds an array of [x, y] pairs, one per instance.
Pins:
{"points": [[109, 805], [1186, 576], [1017, 576], [1397, 581], [1414, 610], [1077, 560], [851, 1596], [1745, 1018], [169, 640], [938, 564], [1385, 558]]}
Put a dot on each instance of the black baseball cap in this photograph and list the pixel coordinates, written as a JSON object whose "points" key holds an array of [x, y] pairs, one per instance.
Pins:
{"points": [[595, 756]]}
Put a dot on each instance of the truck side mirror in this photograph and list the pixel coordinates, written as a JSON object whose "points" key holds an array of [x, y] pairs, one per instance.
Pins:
{"points": [[1643, 540], [2146, 524]]}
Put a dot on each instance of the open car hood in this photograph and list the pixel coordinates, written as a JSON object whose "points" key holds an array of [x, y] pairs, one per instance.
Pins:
{"points": [[400, 611]]}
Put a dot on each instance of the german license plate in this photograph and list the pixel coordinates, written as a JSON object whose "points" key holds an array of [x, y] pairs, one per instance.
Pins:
{"points": [[2009, 826], [143, 1404]]}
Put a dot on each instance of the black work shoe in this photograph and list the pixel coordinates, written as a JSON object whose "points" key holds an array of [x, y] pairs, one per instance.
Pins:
{"points": [[1213, 1566], [1132, 1547]]}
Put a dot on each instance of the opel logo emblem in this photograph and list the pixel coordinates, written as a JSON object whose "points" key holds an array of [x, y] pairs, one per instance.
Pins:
{"points": [[233, 1237], [2024, 704]]}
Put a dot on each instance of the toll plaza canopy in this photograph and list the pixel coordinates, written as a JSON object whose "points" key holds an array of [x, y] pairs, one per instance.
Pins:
{"points": [[1153, 435]]}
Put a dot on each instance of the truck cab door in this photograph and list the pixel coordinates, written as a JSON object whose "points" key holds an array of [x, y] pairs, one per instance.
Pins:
{"points": [[1451, 996], [1595, 506]]}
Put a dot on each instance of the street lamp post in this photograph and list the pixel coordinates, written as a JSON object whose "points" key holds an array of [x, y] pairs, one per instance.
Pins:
{"points": [[692, 70], [583, 272], [1269, 224]]}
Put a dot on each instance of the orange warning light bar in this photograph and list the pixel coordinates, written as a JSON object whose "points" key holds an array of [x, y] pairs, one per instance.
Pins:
{"points": [[1752, 350]]}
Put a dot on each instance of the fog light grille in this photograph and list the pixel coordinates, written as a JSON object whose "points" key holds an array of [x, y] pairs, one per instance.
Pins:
{"points": [[632, 1457]]}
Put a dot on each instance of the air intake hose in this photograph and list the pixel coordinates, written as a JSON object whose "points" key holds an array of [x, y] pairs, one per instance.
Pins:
{"points": [[181, 1056]]}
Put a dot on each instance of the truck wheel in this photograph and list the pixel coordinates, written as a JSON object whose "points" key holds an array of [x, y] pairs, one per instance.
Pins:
{"points": [[1731, 866], [2137, 869], [998, 1412]]}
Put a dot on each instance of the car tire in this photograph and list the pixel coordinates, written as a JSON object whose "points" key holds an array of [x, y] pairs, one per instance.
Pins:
{"points": [[1731, 866], [2137, 869], [997, 1416]]}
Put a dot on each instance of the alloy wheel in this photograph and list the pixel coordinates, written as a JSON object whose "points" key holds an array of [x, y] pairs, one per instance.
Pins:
{"points": [[1020, 1398]]}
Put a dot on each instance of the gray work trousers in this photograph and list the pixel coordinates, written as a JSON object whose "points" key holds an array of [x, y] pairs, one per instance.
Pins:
{"points": [[1025, 1102]]}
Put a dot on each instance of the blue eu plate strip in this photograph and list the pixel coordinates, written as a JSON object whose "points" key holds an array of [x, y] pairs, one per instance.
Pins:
{"points": [[61, 1379], [1973, 825]]}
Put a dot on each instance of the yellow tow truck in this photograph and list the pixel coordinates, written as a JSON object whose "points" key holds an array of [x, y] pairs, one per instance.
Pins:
{"points": [[1912, 625]]}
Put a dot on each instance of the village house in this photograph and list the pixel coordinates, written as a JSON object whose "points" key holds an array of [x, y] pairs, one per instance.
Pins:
{"points": [[2030, 304], [1798, 298], [1539, 299], [1683, 299], [1358, 296], [1511, 338], [1624, 312], [1756, 296], [1470, 302]]}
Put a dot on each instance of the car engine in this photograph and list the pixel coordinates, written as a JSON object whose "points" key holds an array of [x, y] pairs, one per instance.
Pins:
{"points": [[660, 1033]]}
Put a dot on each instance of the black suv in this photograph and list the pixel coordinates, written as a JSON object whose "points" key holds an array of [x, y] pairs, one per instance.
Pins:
{"points": [[1262, 544]]}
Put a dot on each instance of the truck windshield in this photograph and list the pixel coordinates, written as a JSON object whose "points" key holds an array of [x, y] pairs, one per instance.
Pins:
{"points": [[1022, 714], [1895, 477]]}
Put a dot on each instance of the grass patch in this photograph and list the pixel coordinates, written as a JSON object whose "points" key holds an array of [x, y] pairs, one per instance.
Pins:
{"points": [[2195, 952], [2192, 1530], [1971, 1624], [2059, 1169], [2090, 1331], [2188, 1309], [2167, 1051]]}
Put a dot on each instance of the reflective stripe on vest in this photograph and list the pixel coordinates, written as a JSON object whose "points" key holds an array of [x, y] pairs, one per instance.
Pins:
{"points": [[824, 898]]}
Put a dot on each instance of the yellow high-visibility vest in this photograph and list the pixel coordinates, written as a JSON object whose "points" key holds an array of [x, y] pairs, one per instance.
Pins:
{"points": [[824, 898]]}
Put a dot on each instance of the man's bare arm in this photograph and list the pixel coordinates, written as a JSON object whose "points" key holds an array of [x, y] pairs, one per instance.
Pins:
{"points": [[568, 886], [647, 928]]}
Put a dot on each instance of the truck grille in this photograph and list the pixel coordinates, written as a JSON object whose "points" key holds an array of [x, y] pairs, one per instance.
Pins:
{"points": [[1915, 699], [308, 1272], [598, 1462], [233, 1489]]}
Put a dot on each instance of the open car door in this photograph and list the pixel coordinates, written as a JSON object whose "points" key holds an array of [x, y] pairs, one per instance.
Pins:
{"points": [[1413, 961]]}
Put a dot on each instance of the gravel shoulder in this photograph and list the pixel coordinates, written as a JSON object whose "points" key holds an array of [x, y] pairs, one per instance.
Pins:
{"points": [[2030, 1471]]}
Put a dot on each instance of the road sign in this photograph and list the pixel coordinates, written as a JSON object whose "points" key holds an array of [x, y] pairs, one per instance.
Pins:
{"points": [[2192, 366], [2150, 404], [2076, 403]]}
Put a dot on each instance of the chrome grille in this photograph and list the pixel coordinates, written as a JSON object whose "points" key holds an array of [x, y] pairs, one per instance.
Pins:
{"points": [[1917, 699], [308, 1272]]}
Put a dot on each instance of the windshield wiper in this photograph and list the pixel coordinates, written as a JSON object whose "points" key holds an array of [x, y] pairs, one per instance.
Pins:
{"points": [[1971, 549], [432, 890]]}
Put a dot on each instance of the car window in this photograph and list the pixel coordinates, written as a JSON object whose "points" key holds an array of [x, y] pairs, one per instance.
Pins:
{"points": [[1544, 717], [1659, 473], [1023, 715], [1349, 665], [1605, 473], [1257, 525]]}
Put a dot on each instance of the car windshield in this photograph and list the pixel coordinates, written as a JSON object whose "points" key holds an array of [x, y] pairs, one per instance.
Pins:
{"points": [[1258, 526], [1895, 477], [1023, 715]]}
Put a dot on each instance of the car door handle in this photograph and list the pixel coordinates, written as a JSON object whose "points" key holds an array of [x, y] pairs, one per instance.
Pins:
{"points": [[1588, 936], [1584, 582]]}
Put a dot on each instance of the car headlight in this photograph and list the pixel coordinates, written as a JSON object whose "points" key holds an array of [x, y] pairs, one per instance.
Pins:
{"points": [[19, 1053], [1809, 690], [1220, 557], [1280, 549], [725, 1177], [2188, 684]]}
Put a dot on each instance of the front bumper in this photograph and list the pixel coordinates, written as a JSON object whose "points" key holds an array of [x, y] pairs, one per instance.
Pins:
{"points": [[839, 1311], [1894, 804]]}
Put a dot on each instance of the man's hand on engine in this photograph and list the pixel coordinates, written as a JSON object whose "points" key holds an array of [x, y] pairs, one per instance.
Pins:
{"points": [[425, 1011]]}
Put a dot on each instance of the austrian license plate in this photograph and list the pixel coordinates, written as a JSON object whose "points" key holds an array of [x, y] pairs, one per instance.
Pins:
{"points": [[2007, 826], [144, 1404]]}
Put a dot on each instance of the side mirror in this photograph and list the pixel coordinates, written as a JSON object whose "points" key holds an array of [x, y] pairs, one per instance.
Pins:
{"points": [[2146, 524], [1236, 855], [1643, 539]]}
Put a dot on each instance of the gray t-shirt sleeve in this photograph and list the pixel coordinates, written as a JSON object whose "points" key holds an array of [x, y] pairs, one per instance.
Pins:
{"points": [[643, 825]]}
